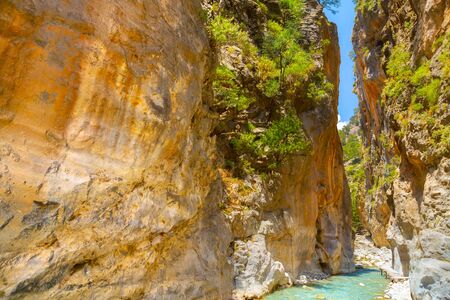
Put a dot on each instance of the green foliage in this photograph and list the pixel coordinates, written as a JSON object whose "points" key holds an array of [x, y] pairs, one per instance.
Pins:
{"points": [[398, 64], [444, 57], [298, 66], [246, 165], [271, 87], [354, 167], [430, 91], [276, 40], [225, 31], [283, 137], [292, 10], [262, 6], [352, 55], [426, 87], [247, 142], [280, 45], [384, 176], [421, 75], [442, 136], [228, 91], [422, 88], [283, 66], [356, 178], [398, 71], [391, 173], [331, 5], [365, 51], [408, 25], [366, 5], [282, 69], [394, 89], [269, 76], [417, 107], [320, 89], [352, 148], [401, 78]]}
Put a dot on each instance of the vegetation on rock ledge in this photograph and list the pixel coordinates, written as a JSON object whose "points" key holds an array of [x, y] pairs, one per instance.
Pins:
{"points": [[283, 137], [249, 76], [354, 166], [419, 90]]}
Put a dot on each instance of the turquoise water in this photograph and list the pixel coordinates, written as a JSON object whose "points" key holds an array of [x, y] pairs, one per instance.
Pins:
{"points": [[364, 284]]}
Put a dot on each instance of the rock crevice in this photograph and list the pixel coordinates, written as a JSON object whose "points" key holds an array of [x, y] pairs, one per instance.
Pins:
{"points": [[402, 81]]}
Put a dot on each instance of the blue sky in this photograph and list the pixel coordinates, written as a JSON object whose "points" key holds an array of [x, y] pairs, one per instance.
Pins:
{"points": [[344, 19]]}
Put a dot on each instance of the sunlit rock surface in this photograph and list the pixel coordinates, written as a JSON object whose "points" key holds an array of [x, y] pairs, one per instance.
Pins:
{"points": [[109, 183], [410, 215]]}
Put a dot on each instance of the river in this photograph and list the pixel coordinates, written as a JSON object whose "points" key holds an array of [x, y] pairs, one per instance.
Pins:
{"points": [[364, 284]]}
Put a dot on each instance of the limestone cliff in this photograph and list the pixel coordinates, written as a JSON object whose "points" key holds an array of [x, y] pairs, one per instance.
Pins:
{"points": [[108, 186], [296, 222], [402, 69], [113, 181]]}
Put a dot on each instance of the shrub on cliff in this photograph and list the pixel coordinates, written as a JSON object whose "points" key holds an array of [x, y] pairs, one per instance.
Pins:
{"points": [[281, 44], [293, 64], [399, 72], [282, 138], [268, 73], [420, 89], [366, 5], [225, 31], [285, 136], [282, 71], [320, 88], [332, 5], [401, 78], [354, 167], [228, 91]]}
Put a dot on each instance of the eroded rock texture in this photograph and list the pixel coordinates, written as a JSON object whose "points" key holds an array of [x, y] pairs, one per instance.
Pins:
{"points": [[109, 183], [299, 222], [107, 186], [408, 208]]}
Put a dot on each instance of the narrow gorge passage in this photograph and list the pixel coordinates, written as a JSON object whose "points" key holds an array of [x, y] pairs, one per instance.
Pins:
{"points": [[195, 149], [375, 277]]}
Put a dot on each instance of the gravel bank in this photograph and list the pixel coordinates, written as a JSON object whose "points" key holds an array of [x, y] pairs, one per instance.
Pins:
{"points": [[367, 255]]}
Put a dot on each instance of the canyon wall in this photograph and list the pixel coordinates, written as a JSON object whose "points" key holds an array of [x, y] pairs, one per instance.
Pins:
{"points": [[113, 180], [298, 220], [402, 70], [108, 187]]}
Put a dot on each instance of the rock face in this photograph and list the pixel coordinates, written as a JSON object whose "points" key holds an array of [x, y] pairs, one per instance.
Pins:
{"points": [[403, 85], [299, 222], [108, 187], [109, 184]]}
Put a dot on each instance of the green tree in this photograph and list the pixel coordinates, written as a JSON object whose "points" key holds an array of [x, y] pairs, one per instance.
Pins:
{"points": [[281, 46], [228, 91], [225, 31], [352, 148], [331, 5], [354, 167], [283, 137]]}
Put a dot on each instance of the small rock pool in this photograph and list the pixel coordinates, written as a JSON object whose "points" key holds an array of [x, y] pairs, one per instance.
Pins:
{"points": [[363, 284]]}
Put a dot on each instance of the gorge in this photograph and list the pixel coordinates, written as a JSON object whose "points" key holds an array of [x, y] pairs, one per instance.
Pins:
{"points": [[402, 79], [157, 149]]}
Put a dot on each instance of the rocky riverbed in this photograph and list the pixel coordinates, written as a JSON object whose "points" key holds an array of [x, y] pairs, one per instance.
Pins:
{"points": [[368, 255]]}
